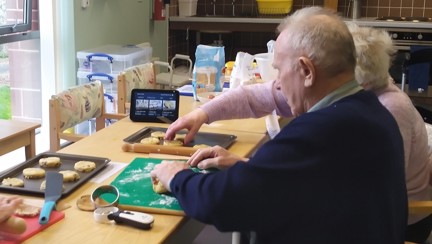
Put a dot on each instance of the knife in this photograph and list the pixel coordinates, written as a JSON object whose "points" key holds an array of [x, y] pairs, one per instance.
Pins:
{"points": [[53, 191], [142, 148]]}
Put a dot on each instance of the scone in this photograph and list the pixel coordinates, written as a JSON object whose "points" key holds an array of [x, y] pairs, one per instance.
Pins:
{"points": [[69, 175], [173, 143], [158, 187], [50, 162], [33, 173], [180, 137], [84, 166], [200, 146], [150, 141], [25, 210], [43, 186], [15, 182], [158, 134]]}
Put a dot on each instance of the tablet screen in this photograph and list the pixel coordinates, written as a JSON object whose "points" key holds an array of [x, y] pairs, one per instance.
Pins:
{"points": [[151, 105]]}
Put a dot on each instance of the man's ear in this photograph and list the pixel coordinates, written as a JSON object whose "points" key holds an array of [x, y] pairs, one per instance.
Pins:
{"points": [[307, 69]]}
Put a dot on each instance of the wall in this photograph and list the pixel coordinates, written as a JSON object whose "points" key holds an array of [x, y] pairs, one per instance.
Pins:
{"points": [[117, 22]]}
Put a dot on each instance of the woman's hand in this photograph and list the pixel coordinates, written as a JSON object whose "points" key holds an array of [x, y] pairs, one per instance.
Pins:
{"points": [[214, 157], [8, 205], [191, 121]]}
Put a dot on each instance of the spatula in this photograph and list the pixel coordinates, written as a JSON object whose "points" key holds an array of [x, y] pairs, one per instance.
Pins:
{"points": [[53, 191]]}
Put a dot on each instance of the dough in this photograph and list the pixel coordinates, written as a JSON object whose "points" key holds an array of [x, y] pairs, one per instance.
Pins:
{"points": [[15, 182], [158, 187], [173, 143], [150, 141], [201, 146], [69, 175], [50, 162], [33, 173], [180, 137], [84, 166], [158, 134], [25, 210], [43, 186]]}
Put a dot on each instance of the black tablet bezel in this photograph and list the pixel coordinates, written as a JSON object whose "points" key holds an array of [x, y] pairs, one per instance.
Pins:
{"points": [[159, 119]]}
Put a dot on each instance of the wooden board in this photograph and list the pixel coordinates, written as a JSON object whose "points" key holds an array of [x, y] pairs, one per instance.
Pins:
{"points": [[33, 227], [136, 190]]}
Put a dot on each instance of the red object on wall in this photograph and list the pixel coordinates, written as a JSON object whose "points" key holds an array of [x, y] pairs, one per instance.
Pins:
{"points": [[159, 10]]}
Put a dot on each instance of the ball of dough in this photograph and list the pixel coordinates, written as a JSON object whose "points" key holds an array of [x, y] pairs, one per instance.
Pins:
{"points": [[150, 141], [15, 182], [33, 173], [84, 166], [158, 187], [173, 143], [69, 175], [50, 162]]}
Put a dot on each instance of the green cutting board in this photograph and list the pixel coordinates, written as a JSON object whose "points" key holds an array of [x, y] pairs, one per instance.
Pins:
{"points": [[136, 190]]}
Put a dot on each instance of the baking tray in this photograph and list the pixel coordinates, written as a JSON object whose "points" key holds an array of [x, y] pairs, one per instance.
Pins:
{"points": [[211, 139], [32, 186]]}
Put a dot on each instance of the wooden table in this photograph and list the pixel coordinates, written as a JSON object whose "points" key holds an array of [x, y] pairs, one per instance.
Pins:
{"points": [[79, 226], [187, 104], [15, 134]]}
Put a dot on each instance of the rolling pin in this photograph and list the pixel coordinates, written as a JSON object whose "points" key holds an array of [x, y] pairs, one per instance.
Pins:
{"points": [[13, 225], [173, 150]]}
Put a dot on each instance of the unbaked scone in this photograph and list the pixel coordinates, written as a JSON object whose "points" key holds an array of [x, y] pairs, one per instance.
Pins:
{"points": [[158, 134], [15, 182], [158, 187], [180, 137], [43, 186], [173, 143], [84, 166], [25, 210], [201, 146], [69, 175], [33, 173], [150, 141], [50, 162]]}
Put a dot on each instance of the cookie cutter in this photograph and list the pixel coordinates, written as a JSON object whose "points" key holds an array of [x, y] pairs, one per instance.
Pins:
{"points": [[98, 202]]}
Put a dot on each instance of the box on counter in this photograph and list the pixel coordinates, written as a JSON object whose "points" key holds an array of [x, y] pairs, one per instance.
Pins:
{"points": [[112, 59]]}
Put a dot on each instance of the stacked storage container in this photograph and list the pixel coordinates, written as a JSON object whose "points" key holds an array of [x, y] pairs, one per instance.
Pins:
{"points": [[105, 63]]}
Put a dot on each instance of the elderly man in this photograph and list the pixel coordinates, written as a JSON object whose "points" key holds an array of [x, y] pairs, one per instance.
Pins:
{"points": [[334, 174]]}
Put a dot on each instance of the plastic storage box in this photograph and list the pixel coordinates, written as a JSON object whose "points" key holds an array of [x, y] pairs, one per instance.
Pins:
{"points": [[187, 7], [112, 59], [274, 6], [109, 81]]}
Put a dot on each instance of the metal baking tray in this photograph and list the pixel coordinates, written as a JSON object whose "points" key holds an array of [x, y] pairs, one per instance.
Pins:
{"points": [[211, 139], [32, 186]]}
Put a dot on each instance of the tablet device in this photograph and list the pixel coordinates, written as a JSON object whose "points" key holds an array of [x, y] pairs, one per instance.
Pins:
{"points": [[152, 105]]}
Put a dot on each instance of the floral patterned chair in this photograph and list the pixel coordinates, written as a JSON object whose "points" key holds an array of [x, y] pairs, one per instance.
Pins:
{"points": [[140, 76], [73, 106]]}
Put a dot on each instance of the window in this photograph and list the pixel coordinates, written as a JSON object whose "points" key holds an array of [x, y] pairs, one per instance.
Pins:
{"points": [[20, 67]]}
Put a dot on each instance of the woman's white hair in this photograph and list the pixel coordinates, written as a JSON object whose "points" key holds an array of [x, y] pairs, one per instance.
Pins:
{"points": [[374, 48]]}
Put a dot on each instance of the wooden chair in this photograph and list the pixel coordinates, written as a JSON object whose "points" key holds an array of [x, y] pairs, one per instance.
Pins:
{"points": [[73, 106], [140, 76]]}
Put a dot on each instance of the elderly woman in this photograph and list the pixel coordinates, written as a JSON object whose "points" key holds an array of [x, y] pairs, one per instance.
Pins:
{"points": [[374, 49]]}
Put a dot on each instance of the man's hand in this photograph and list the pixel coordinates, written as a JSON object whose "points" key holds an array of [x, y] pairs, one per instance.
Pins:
{"points": [[191, 121], [166, 170], [214, 157]]}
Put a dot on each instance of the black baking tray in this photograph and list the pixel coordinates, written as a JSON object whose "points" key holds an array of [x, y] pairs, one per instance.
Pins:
{"points": [[32, 186], [211, 139]]}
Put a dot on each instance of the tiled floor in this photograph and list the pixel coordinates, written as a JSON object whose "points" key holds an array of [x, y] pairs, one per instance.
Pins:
{"points": [[210, 235]]}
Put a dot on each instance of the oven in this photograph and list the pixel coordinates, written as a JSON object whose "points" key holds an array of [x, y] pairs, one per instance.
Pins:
{"points": [[417, 34]]}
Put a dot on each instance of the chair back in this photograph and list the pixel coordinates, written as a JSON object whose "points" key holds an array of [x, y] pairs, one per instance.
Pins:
{"points": [[139, 76], [73, 106]]}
